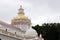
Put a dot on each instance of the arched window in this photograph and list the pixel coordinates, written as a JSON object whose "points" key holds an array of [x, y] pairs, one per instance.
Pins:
{"points": [[15, 32], [6, 29]]}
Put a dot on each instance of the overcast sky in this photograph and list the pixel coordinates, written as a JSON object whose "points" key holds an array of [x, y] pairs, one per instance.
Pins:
{"points": [[39, 11]]}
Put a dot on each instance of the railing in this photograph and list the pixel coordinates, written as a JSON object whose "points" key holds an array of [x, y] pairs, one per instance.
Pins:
{"points": [[4, 32]]}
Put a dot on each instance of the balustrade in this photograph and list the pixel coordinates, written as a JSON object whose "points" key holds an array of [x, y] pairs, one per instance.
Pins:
{"points": [[4, 32]]}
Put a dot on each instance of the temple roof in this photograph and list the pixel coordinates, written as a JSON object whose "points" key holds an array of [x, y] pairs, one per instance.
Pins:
{"points": [[8, 24]]}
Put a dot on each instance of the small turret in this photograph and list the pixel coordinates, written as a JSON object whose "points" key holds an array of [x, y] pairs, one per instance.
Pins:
{"points": [[40, 37], [21, 10]]}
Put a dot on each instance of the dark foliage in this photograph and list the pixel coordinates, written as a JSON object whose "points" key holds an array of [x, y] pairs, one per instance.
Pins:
{"points": [[49, 31]]}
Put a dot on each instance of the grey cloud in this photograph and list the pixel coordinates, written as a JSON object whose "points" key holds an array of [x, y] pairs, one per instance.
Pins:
{"points": [[33, 9]]}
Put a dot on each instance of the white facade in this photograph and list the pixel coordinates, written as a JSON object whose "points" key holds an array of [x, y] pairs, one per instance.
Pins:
{"points": [[19, 29]]}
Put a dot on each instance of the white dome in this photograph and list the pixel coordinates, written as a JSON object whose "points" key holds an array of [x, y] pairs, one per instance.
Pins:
{"points": [[31, 33]]}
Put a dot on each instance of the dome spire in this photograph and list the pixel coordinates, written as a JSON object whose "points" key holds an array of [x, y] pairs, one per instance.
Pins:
{"points": [[21, 10]]}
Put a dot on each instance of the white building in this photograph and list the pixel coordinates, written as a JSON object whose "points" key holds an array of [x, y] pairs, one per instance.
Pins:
{"points": [[19, 29]]}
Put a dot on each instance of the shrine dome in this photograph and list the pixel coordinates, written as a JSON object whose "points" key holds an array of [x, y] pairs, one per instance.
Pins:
{"points": [[31, 33]]}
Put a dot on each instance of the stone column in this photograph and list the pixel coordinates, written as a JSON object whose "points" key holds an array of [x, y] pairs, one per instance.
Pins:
{"points": [[40, 37]]}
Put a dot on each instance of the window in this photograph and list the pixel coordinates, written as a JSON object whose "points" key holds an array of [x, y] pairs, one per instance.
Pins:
{"points": [[15, 32], [6, 29]]}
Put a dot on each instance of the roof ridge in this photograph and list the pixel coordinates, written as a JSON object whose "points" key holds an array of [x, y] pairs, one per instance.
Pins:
{"points": [[9, 24]]}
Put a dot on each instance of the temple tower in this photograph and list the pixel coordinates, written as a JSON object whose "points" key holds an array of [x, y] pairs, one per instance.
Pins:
{"points": [[21, 21]]}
